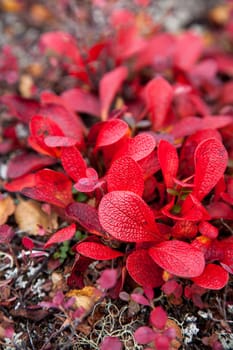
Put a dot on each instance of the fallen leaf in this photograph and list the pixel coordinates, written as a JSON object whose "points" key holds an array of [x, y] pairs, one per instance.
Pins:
{"points": [[177, 342], [30, 218], [26, 85], [7, 208], [85, 298]]}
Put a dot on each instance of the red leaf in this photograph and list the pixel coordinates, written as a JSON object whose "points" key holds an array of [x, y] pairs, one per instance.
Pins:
{"points": [[63, 44], [150, 164], [111, 132], [188, 149], [184, 229], [86, 216], [52, 187], [144, 335], [189, 125], [17, 185], [60, 141], [108, 278], [169, 162], [185, 59], [213, 277], [21, 108], [178, 258], [73, 163], [158, 317], [24, 163], [193, 210], [158, 49], [109, 85], [210, 163], [143, 269], [112, 343], [90, 182], [140, 299], [6, 234], [158, 95], [208, 230], [220, 210], [138, 147], [97, 251], [69, 122], [40, 127], [125, 216], [79, 100], [125, 174], [28, 243], [62, 235]]}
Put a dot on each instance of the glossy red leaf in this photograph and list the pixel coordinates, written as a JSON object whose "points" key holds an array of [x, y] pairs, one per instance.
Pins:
{"points": [[169, 162], [125, 216], [185, 59], [188, 149], [138, 147], [111, 132], [51, 187], [60, 141], [80, 100], [109, 86], [150, 164], [189, 125], [73, 163], [184, 229], [125, 175], [220, 210], [213, 277], [112, 343], [178, 258], [40, 127], [193, 210], [210, 160], [226, 248], [86, 216], [24, 163], [68, 121], [62, 235], [28, 180], [61, 43], [158, 317], [144, 335], [158, 96], [28, 243], [97, 251], [90, 182], [143, 269], [208, 230]]}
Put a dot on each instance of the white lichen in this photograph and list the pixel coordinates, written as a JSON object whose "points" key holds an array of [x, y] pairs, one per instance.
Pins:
{"points": [[190, 330]]}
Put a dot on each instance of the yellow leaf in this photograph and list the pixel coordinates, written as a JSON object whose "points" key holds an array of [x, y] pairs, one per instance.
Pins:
{"points": [[31, 218]]}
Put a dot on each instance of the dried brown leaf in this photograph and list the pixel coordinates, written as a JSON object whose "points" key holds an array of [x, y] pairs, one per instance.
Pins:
{"points": [[177, 342], [7, 208], [85, 298], [31, 218]]}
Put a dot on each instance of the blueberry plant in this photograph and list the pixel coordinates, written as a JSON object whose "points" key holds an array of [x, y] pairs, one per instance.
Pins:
{"points": [[144, 138]]}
